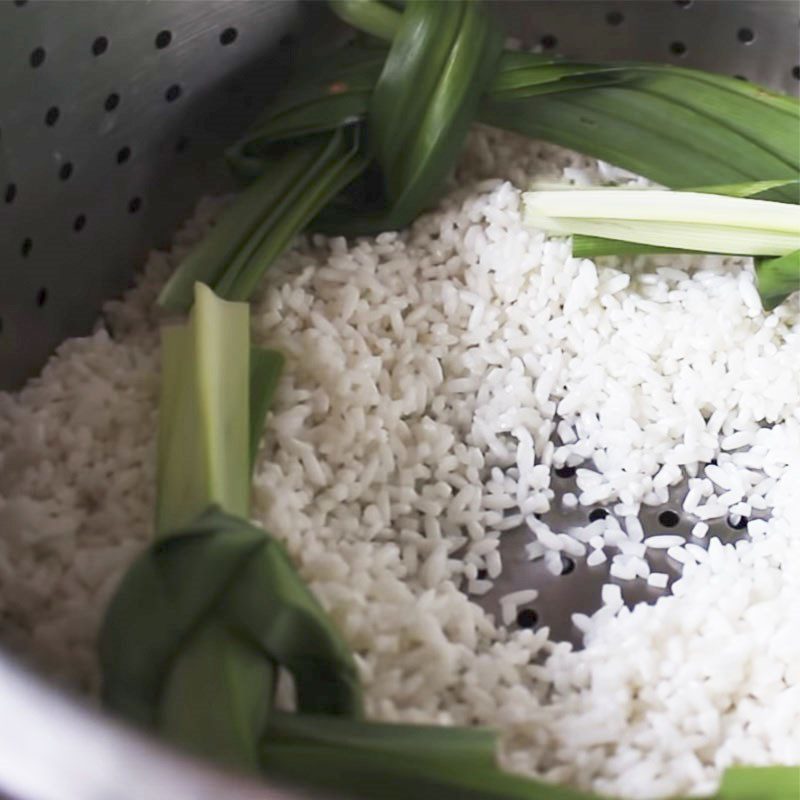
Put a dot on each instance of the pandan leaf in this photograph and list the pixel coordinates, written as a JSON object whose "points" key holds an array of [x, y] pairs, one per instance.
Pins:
{"points": [[192, 637], [265, 371], [374, 761], [675, 220], [760, 783], [204, 425], [777, 278], [196, 631]]}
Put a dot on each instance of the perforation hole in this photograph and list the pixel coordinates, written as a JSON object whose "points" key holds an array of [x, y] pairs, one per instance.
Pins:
{"points": [[567, 565], [134, 205], [123, 154], [228, 36], [111, 102], [548, 41], [182, 144], [527, 618], [669, 519], [65, 171], [683, 3], [597, 513], [678, 48], [99, 46], [614, 18], [37, 57], [27, 246], [41, 297], [10, 193], [738, 523], [173, 93], [745, 35], [163, 39], [565, 471], [79, 223], [51, 116], [796, 72]]}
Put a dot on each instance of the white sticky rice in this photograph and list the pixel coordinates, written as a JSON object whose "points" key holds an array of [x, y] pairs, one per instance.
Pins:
{"points": [[435, 377]]}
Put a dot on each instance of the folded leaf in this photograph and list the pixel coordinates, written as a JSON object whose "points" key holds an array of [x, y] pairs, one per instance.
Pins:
{"points": [[335, 166], [204, 424], [442, 57], [209, 259], [334, 94], [192, 637], [264, 219], [216, 696]]}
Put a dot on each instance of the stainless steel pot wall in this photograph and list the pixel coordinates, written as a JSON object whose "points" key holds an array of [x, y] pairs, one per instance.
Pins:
{"points": [[110, 112], [112, 116]]}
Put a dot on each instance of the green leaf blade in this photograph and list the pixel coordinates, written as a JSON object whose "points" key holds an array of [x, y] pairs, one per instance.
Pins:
{"points": [[337, 93], [584, 246], [217, 696], [264, 219], [266, 367], [378, 761], [676, 127], [764, 190], [336, 166], [760, 783], [155, 608], [407, 84], [208, 261], [452, 108], [442, 58], [369, 16], [675, 220], [204, 426], [778, 278]]}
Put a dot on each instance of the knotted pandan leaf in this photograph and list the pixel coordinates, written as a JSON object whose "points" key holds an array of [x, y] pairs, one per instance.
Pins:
{"points": [[197, 629]]}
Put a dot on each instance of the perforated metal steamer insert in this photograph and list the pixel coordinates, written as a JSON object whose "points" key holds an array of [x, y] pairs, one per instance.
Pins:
{"points": [[113, 114]]}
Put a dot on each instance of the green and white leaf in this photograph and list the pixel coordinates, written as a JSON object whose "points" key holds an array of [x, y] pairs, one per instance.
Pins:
{"points": [[675, 220], [204, 419]]}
